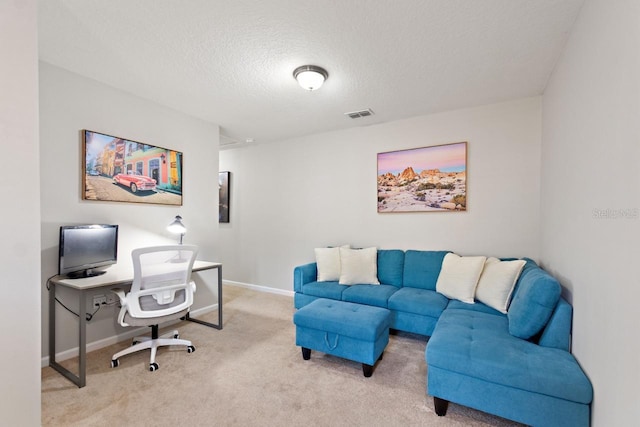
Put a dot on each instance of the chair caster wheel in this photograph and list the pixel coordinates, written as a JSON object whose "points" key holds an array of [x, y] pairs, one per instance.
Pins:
{"points": [[115, 363], [191, 349], [153, 367]]}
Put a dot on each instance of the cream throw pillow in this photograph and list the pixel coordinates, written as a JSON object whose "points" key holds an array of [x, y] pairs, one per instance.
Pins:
{"points": [[497, 282], [459, 277], [359, 266], [328, 263]]}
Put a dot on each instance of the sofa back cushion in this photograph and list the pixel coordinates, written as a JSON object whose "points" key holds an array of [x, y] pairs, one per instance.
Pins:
{"points": [[459, 277], [359, 266], [422, 268], [536, 296], [557, 333], [328, 264], [390, 266]]}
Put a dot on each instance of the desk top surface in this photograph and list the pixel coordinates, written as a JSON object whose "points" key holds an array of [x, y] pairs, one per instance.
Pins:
{"points": [[118, 274]]}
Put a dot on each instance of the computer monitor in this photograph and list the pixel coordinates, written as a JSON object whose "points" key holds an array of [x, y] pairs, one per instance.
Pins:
{"points": [[83, 248]]}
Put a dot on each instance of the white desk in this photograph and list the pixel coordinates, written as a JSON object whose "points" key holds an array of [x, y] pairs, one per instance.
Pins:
{"points": [[115, 275]]}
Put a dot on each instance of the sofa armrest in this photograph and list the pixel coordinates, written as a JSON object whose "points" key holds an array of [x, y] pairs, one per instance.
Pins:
{"points": [[557, 332], [304, 274]]}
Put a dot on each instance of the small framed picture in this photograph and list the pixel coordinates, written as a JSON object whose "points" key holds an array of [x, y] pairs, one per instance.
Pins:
{"points": [[224, 182]]}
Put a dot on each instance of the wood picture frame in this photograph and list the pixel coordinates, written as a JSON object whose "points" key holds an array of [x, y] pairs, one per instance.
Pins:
{"points": [[224, 191], [115, 169], [426, 179]]}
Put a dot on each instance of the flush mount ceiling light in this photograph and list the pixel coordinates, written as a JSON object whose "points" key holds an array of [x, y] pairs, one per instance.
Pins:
{"points": [[310, 77]]}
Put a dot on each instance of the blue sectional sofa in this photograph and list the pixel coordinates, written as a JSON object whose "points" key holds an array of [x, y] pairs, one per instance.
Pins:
{"points": [[516, 365]]}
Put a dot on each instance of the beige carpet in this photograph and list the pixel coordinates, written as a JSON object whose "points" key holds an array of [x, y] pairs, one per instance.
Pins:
{"points": [[250, 374]]}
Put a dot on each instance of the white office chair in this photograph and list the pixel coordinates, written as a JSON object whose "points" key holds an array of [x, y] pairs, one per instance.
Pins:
{"points": [[162, 290]]}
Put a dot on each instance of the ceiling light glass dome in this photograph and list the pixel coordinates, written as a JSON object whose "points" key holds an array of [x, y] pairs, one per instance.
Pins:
{"points": [[310, 77]]}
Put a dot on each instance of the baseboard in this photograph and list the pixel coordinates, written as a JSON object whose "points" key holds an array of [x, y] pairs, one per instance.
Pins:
{"points": [[259, 288], [128, 334]]}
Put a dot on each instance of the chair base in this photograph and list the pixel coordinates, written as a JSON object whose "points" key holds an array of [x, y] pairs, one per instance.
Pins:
{"points": [[152, 343]]}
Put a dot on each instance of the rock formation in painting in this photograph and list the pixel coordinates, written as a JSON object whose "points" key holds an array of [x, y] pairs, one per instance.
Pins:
{"points": [[407, 175], [428, 190]]}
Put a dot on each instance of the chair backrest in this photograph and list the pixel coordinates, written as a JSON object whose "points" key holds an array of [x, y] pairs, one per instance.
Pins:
{"points": [[162, 280]]}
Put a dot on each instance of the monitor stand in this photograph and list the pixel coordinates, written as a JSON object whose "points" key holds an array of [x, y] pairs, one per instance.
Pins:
{"points": [[90, 272]]}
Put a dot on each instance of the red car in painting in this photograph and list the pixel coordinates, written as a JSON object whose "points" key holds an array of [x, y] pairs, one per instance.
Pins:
{"points": [[135, 182]]}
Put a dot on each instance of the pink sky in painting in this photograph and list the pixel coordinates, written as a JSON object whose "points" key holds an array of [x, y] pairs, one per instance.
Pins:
{"points": [[447, 158]]}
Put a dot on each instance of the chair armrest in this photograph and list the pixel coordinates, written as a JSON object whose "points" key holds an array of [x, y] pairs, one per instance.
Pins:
{"points": [[123, 305], [304, 274], [121, 295]]}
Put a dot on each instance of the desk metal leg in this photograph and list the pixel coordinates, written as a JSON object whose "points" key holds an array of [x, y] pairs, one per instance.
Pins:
{"points": [[209, 324], [52, 324], [80, 379], [82, 339]]}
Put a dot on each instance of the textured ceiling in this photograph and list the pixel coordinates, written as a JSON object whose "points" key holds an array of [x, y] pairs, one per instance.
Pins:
{"points": [[231, 62]]}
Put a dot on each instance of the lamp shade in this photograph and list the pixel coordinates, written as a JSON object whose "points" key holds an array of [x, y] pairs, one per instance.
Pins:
{"points": [[176, 226], [310, 77]]}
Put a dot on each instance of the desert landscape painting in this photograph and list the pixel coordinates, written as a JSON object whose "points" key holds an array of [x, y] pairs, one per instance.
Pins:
{"points": [[424, 179]]}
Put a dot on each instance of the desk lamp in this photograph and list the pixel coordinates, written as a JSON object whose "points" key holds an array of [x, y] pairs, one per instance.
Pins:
{"points": [[177, 227]]}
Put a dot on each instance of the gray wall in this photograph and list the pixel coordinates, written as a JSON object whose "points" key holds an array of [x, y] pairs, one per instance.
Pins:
{"points": [[292, 196], [591, 198], [69, 103], [20, 215]]}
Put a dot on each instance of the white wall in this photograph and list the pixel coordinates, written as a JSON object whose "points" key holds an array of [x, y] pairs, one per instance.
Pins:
{"points": [[70, 103], [291, 196], [20, 186], [591, 198]]}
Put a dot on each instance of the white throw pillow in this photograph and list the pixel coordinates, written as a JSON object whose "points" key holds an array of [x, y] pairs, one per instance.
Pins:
{"points": [[359, 266], [459, 277], [497, 282], [328, 263]]}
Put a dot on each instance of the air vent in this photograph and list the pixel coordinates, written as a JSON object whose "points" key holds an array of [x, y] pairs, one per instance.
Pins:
{"points": [[361, 113]]}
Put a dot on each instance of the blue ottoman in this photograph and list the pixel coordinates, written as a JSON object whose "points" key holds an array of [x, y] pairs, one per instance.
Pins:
{"points": [[352, 331]]}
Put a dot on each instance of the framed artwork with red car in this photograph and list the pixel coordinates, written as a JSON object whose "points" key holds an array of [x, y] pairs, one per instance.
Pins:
{"points": [[120, 170]]}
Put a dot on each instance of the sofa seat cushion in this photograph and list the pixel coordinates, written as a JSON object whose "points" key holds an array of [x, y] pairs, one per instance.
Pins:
{"points": [[376, 295], [331, 290], [478, 306], [479, 345], [418, 301]]}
